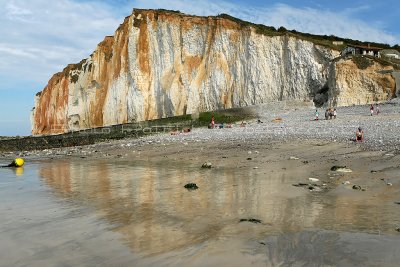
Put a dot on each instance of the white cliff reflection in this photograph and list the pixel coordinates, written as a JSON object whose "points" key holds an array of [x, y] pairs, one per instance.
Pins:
{"points": [[149, 205]]}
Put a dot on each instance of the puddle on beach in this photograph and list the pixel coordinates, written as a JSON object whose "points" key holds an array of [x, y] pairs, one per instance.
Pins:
{"points": [[93, 213]]}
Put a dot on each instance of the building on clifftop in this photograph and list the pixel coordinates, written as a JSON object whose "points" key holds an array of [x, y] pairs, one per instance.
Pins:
{"points": [[362, 50]]}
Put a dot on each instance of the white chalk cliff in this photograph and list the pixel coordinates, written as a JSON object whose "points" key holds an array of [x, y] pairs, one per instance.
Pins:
{"points": [[161, 64]]}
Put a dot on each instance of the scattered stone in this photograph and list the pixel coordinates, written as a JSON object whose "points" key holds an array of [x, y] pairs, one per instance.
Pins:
{"points": [[255, 167], [346, 183], [311, 187], [335, 168], [191, 186], [398, 229], [373, 171], [397, 202], [300, 184], [207, 165], [313, 179], [386, 182], [357, 187], [278, 119], [293, 158], [340, 169], [250, 220], [305, 161], [249, 158]]}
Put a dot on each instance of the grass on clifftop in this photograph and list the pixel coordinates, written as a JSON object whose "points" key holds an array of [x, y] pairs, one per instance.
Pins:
{"points": [[323, 40]]}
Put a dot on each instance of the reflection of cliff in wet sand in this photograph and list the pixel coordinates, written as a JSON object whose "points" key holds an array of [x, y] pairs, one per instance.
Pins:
{"points": [[147, 203]]}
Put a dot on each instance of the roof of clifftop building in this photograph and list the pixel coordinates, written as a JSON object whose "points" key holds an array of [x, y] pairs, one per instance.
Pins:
{"points": [[366, 47]]}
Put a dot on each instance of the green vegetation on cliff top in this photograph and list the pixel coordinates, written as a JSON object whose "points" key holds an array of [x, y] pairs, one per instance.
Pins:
{"points": [[324, 40], [330, 41]]}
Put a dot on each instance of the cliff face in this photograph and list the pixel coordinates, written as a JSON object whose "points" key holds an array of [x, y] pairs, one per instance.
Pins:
{"points": [[161, 64], [352, 85]]}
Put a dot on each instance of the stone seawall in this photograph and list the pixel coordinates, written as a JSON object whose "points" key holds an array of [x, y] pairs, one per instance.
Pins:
{"points": [[92, 136], [128, 130]]}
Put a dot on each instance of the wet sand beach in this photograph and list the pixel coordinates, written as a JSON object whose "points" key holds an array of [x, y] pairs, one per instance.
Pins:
{"points": [[123, 203]]}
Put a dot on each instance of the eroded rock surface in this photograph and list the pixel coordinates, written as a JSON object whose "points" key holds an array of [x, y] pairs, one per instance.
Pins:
{"points": [[160, 64]]}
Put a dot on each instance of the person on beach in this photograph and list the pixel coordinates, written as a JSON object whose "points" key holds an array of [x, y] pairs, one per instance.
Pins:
{"points": [[330, 113], [359, 135], [372, 109], [377, 109], [326, 114], [334, 113], [316, 114], [212, 122]]}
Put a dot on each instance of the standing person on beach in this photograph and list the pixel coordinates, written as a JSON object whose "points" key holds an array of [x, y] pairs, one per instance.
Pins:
{"points": [[316, 114], [377, 109], [334, 113], [326, 114], [212, 122], [372, 109], [359, 135]]}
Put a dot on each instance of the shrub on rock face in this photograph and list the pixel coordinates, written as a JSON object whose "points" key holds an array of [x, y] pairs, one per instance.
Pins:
{"points": [[362, 62]]}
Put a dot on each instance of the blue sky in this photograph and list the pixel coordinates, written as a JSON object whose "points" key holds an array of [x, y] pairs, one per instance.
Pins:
{"points": [[40, 37]]}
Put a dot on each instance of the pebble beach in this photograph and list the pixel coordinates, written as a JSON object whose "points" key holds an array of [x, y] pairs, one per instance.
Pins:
{"points": [[382, 131], [279, 188]]}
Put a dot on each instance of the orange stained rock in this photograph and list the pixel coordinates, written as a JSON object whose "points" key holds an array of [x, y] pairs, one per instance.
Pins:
{"points": [[223, 42]]}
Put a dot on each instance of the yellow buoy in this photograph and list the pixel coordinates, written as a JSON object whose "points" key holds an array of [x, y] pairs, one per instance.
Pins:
{"points": [[18, 162]]}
